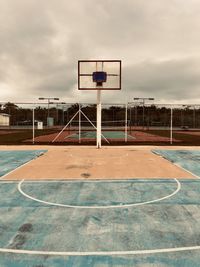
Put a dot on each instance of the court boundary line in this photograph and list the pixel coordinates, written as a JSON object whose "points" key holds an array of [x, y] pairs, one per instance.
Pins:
{"points": [[4, 176], [196, 176], [174, 163], [98, 207], [99, 253], [100, 180]]}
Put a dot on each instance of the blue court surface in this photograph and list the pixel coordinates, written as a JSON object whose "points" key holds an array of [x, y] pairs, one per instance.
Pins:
{"points": [[100, 223], [12, 159], [186, 159]]}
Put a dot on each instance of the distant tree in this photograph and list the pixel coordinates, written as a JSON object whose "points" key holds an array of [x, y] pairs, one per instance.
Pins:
{"points": [[11, 109]]}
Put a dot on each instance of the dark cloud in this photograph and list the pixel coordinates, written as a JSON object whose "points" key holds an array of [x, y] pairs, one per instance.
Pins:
{"points": [[157, 41]]}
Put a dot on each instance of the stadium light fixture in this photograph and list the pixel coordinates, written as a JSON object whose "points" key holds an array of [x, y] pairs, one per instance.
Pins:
{"points": [[143, 102], [48, 102]]}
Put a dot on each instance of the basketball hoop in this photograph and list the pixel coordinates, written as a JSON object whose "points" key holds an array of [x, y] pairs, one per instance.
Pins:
{"points": [[99, 75]]}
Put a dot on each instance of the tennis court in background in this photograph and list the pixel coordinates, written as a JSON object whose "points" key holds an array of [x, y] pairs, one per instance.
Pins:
{"points": [[105, 134], [129, 222]]}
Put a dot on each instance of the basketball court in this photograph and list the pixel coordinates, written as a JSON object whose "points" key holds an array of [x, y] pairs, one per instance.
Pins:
{"points": [[99, 206], [81, 206]]}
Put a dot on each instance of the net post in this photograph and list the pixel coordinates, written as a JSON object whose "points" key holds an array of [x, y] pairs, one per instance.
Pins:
{"points": [[171, 126], [98, 118]]}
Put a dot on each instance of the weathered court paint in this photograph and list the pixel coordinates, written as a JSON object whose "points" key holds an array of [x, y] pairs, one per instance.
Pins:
{"points": [[97, 205], [12, 159], [29, 225], [187, 159]]}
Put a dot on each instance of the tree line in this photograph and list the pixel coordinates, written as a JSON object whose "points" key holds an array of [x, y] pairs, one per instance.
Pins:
{"points": [[137, 115]]}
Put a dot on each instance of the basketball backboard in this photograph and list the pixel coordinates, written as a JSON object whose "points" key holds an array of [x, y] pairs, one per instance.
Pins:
{"points": [[99, 74]]}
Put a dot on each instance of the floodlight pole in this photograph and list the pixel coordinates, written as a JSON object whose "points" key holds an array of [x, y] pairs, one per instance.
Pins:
{"points": [[48, 99], [143, 103], [194, 124], [98, 118]]}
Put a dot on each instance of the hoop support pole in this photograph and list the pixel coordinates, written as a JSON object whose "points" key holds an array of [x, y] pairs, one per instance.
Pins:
{"points": [[98, 118]]}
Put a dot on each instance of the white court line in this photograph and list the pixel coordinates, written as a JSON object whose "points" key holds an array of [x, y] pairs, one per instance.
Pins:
{"points": [[37, 156], [99, 207], [174, 163], [104, 253], [4, 176], [68, 136], [187, 170], [98, 253], [8, 182], [97, 180]]}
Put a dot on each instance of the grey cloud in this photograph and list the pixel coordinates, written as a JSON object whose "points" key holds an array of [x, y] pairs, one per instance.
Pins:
{"points": [[170, 79], [157, 41]]}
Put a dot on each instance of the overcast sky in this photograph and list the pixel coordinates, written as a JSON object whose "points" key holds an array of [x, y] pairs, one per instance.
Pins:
{"points": [[158, 42]]}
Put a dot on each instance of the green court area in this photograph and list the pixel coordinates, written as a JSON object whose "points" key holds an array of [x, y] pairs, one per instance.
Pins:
{"points": [[106, 134], [12, 159], [100, 223]]}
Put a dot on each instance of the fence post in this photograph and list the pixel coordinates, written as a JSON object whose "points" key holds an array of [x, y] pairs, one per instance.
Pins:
{"points": [[171, 126], [33, 125], [126, 117]]}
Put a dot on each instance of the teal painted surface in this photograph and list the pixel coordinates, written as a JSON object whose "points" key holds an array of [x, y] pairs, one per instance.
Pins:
{"points": [[187, 159], [10, 160], [174, 222], [176, 259], [106, 134], [100, 193]]}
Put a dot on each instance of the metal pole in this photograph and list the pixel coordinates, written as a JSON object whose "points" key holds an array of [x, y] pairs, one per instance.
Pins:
{"points": [[135, 115], [65, 126], [194, 124], [57, 106], [126, 117], [94, 126], [143, 115], [63, 115], [98, 118], [171, 127], [79, 124], [182, 117], [130, 119], [48, 113], [33, 125]]}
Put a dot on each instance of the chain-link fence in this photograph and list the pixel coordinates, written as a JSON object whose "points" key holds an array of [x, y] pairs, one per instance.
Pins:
{"points": [[75, 123]]}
